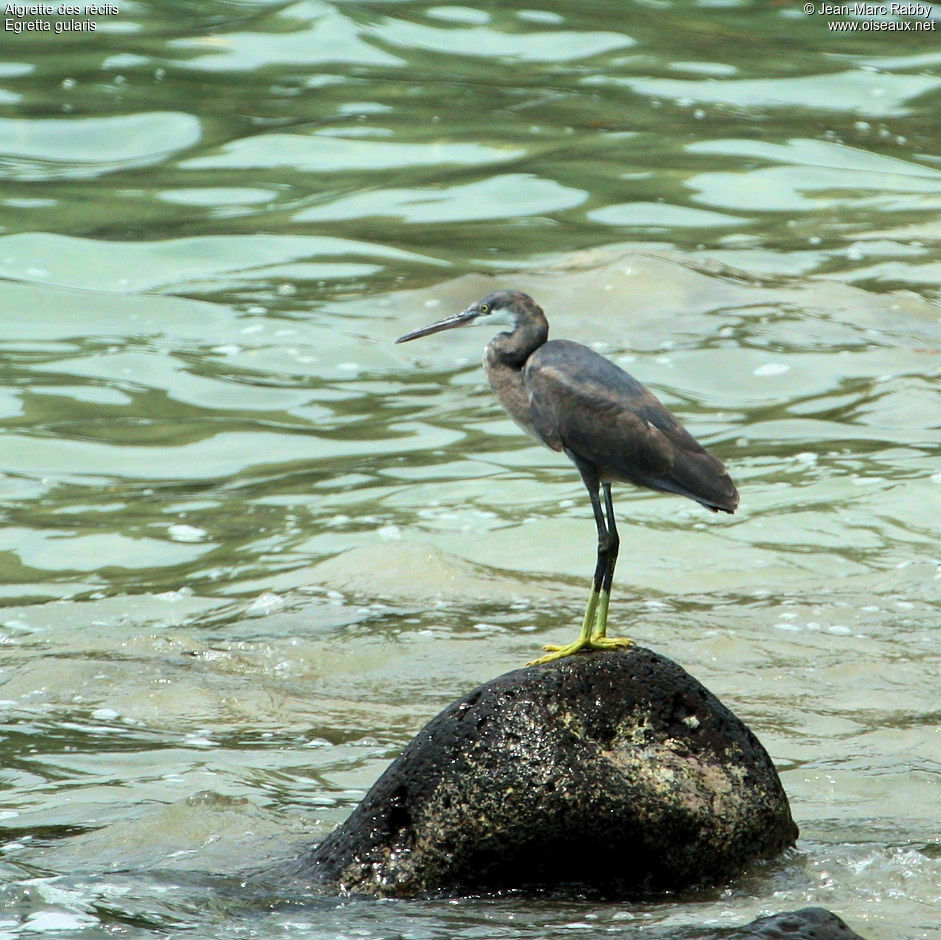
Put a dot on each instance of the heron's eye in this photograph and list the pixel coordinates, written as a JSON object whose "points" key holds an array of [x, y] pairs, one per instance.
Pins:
{"points": [[485, 309]]}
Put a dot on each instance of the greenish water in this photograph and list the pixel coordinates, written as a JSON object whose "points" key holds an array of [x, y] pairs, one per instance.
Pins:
{"points": [[250, 546]]}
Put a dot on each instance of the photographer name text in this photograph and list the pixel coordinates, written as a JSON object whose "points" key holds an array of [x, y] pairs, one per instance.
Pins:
{"points": [[922, 10]]}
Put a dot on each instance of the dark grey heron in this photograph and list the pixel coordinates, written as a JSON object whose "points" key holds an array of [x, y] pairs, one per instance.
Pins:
{"points": [[609, 425]]}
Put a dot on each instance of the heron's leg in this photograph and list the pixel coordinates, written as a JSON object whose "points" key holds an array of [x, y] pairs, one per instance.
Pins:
{"points": [[592, 634], [599, 636], [614, 540], [597, 581], [601, 566]]}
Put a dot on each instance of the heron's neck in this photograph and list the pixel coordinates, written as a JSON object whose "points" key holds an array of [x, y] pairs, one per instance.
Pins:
{"points": [[513, 349]]}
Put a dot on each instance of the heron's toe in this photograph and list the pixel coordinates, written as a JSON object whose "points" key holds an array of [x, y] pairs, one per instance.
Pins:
{"points": [[610, 642], [559, 652]]}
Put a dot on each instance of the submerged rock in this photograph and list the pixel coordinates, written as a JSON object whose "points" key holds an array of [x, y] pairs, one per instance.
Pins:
{"points": [[611, 773], [809, 923]]}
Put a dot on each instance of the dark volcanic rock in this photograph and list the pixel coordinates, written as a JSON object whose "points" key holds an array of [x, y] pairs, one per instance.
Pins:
{"points": [[613, 773]]}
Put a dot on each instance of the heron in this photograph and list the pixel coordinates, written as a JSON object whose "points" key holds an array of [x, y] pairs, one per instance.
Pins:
{"points": [[577, 402]]}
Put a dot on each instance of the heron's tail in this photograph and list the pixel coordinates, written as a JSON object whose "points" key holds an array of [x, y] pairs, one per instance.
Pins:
{"points": [[702, 477]]}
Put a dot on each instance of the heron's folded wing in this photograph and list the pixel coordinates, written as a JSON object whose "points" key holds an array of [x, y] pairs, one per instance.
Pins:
{"points": [[583, 403]]}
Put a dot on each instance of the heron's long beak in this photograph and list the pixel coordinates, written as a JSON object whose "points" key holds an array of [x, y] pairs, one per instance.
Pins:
{"points": [[459, 319]]}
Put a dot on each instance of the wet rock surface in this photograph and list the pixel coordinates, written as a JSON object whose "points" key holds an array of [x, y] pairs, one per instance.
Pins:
{"points": [[612, 774]]}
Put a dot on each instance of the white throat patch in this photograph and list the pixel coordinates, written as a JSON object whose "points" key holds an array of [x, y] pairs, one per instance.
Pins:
{"points": [[501, 317]]}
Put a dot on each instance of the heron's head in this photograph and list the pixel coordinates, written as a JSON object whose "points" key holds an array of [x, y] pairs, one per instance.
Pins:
{"points": [[501, 308]]}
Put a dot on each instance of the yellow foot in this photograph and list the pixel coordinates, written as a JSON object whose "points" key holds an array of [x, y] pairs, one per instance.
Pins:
{"points": [[581, 646], [611, 642]]}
